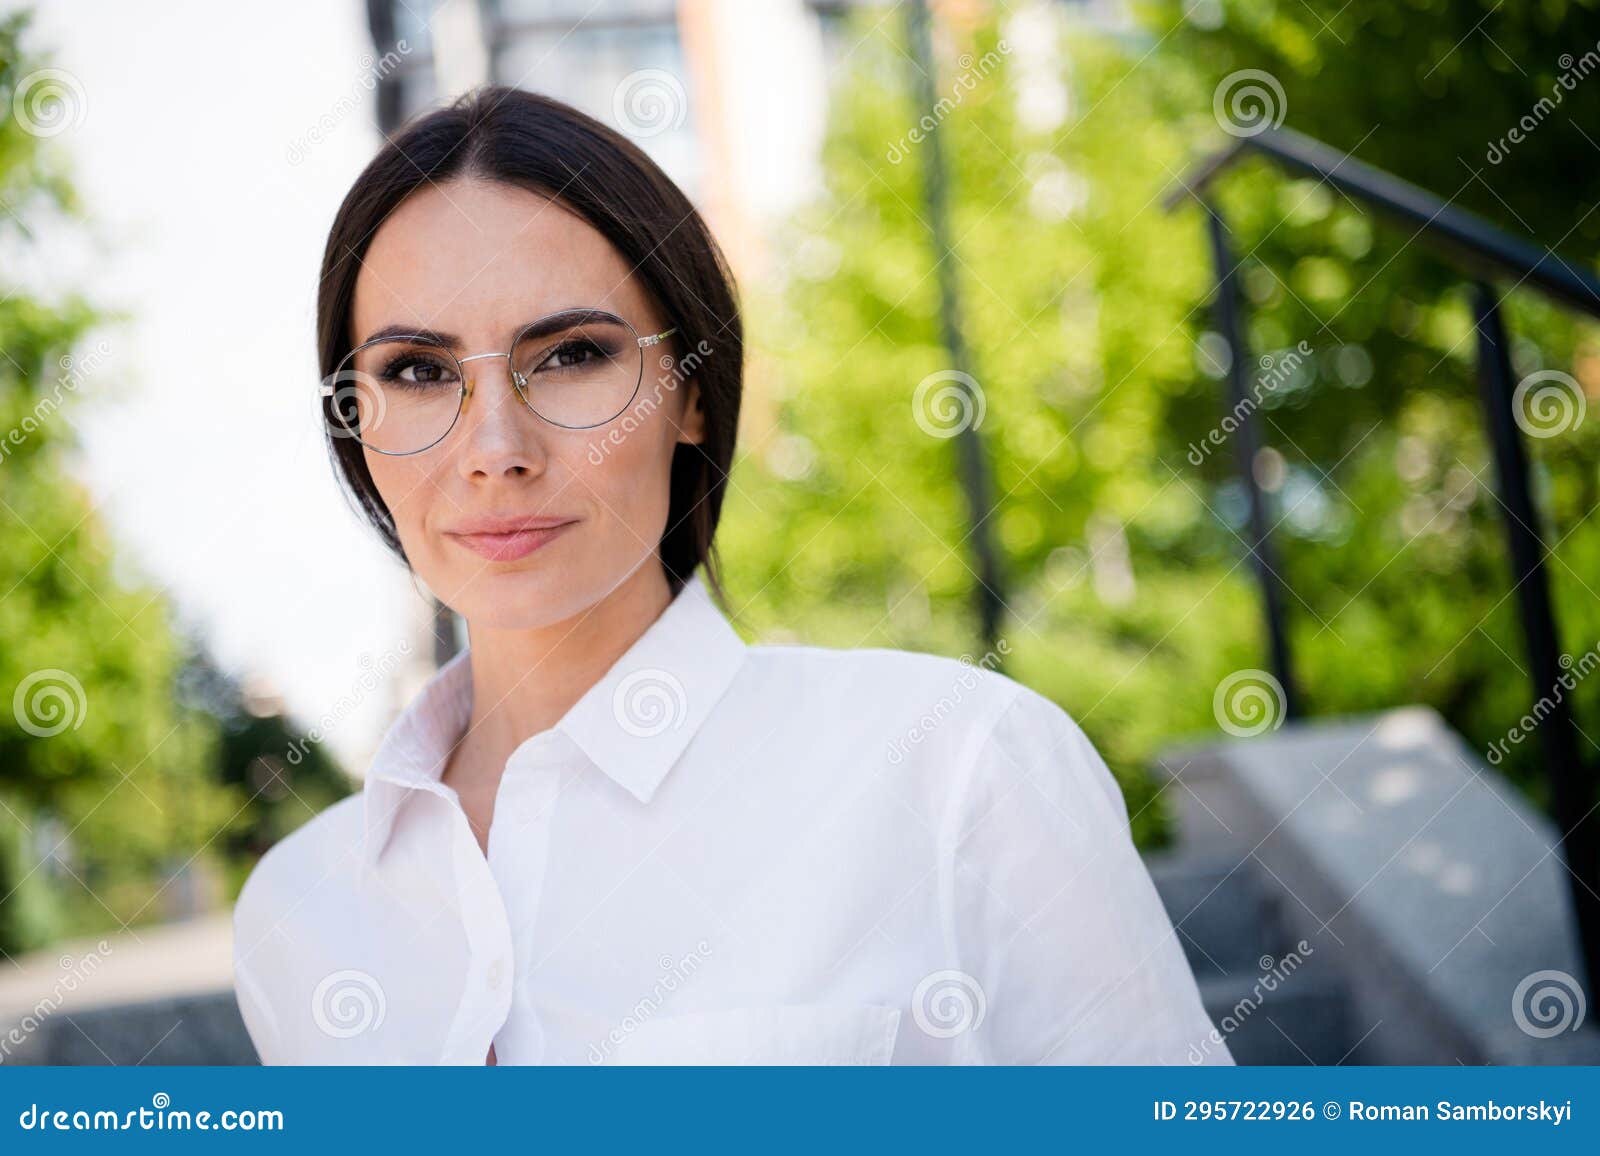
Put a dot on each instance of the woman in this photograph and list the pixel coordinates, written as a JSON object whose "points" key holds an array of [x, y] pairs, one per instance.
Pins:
{"points": [[609, 831]]}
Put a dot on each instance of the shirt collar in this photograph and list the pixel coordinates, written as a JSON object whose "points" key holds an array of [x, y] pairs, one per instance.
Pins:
{"points": [[633, 724]]}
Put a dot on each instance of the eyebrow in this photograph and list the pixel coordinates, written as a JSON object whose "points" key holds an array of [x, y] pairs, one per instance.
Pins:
{"points": [[542, 327]]}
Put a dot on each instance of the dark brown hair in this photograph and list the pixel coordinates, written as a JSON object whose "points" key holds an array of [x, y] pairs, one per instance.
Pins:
{"points": [[519, 138]]}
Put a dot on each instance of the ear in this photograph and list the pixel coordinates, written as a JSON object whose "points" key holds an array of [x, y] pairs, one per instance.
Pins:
{"points": [[692, 422]]}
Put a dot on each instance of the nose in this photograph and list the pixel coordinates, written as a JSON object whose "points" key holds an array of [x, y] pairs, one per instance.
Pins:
{"points": [[500, 435]]}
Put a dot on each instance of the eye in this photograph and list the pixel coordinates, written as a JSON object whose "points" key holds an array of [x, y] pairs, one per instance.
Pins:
{"points": [[573, 353], [419, 370]]}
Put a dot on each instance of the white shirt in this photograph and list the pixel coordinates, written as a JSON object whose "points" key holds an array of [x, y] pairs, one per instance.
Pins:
{"points": [[727, 854]]}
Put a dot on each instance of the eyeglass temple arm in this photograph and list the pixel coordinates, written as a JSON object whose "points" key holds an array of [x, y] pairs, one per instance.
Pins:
{"points": [[656, 338]]}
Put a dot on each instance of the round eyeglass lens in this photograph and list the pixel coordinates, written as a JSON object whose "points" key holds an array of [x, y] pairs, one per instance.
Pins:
{"points": [[578, 369], [395, 396]]}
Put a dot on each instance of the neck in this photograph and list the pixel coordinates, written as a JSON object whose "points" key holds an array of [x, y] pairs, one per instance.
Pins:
{"points": [[524, 681]]}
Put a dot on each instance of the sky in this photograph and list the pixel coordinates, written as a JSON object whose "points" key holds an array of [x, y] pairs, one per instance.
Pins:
{"points": [[211, 155]]}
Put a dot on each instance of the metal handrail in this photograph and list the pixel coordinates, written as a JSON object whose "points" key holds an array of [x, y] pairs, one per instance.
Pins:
{"points": [[1482, 248], [1484, 252]]}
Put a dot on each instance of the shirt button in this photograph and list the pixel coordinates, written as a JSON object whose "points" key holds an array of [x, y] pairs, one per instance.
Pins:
{"points": [[497, 972]]}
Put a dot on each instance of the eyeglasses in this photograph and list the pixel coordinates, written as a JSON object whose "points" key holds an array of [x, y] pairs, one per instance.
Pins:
{"points": [[578, 368]]}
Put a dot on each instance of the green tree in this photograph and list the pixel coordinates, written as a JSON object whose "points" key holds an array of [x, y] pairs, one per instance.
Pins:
{"points": [[1086, 306], [106, 786]]}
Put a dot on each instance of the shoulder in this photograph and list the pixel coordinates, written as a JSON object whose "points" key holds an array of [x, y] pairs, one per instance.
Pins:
{"points": [[884, 683], [959, 710], [987, 732], [315, 855]]}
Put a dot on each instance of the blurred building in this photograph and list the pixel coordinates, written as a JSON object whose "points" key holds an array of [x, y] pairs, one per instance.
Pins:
{"points": [[729, 97]]}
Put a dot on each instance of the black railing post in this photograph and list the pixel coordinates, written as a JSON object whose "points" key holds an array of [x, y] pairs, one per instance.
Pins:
{"points": [[1246, 445], [1572, 785], [973, 465]]}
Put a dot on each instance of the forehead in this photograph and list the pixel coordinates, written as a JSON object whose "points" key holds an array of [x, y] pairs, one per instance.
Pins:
{"points": [[480, 259]]}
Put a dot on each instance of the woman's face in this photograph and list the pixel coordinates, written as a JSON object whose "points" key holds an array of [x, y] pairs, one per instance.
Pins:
{"points": [[481, 260]]}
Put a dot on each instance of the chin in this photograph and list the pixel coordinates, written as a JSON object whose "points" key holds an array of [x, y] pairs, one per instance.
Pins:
{"points": [[515, 599], [533, 594]]}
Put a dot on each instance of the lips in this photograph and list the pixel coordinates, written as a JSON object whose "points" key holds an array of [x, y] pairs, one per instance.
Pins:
{"points": [[507, 539]]}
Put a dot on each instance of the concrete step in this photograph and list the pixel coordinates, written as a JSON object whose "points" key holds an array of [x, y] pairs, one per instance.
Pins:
{"points": [[203, 1028], [1414, 872], [1225, 917], [1271, 1004], [1304, 1019]]}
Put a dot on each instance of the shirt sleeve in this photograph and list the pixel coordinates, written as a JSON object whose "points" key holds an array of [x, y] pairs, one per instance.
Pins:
{"points": [[1067, 951], [255, 1008]]}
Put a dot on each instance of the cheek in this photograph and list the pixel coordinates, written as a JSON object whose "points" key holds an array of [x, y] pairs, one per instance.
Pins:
{"points": [[405, 489], [630, 470]]}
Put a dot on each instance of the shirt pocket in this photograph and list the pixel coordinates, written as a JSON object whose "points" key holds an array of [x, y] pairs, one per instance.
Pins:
{"points": [[795, 1034]]}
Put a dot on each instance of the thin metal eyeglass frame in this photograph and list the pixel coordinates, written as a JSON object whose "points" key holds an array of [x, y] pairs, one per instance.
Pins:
{"points": [[519, 381]]}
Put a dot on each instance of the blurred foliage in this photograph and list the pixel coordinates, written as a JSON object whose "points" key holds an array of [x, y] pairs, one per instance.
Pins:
{"points": [[125, 772], [1086, 306], [281, 777]]}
